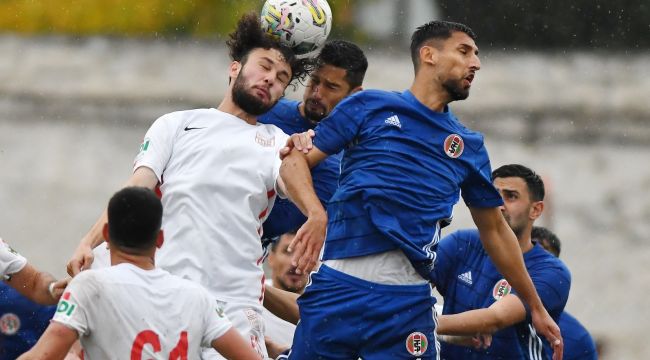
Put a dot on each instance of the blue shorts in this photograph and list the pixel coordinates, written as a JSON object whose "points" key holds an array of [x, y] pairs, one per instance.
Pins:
{"points": [[344, 317]]}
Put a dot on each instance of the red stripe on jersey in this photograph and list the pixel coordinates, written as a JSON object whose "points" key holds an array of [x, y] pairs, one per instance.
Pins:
{"points": [[261, 299], [263, 213], [270, 193], [158, 192]]}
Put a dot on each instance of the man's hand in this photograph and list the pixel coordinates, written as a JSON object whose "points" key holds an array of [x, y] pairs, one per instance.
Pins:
{"points": [[545, 326], [81, 259], [57, 288], [307, 243], [301, 141]]}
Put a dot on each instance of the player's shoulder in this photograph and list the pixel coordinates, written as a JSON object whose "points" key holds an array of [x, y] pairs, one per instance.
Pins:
{"points": [[282, 109], [465, 235], [540, 259], [377, 96]]}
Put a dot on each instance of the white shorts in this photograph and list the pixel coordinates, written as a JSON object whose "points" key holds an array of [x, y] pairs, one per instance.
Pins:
{"points": [[248, 321]]}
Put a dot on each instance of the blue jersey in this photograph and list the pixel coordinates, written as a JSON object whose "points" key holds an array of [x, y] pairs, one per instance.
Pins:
{"points": [[403, 170], [285, 216], [578, 343], [467, 279], [21, 322]]}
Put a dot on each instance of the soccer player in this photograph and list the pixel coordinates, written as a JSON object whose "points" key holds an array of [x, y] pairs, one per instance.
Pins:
{"points": [[283, 277], [478, 299], [340, 69], [35, 285], [578, 343], [217, 171], [132, 309], [406, 160]]}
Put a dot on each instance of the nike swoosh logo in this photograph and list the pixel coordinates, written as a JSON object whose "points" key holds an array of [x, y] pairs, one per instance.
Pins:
{"points": [[187, 128]]}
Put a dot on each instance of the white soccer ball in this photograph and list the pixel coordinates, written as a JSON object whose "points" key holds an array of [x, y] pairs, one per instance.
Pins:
{"points": [[302, 25]]}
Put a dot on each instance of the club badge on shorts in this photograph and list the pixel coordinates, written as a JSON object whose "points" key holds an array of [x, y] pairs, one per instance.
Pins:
{"points": [[501, 289], [416, 343], [454, 146]]}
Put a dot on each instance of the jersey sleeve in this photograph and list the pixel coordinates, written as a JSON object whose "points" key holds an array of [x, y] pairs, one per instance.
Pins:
{"points": [[341, 127], [446, 254], [10, 261], [477, 189], [156, 148], [552, 284], [216, 321], [73, 307]]}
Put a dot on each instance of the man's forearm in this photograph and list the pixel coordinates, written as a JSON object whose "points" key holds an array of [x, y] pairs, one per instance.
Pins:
{"points": [[282, 304], [33, 284], [296, 175], [504, 250], [467, 323]]}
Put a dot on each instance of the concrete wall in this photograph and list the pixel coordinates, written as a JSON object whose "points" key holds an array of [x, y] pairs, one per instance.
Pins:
{"points": [[73, 113]]}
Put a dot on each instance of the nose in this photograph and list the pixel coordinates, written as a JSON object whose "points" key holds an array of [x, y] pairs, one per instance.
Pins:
{"points": [[475, 63]]}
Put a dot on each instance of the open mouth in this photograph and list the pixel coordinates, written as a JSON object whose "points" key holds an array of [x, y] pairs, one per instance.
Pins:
{"points": [[469, 78]]}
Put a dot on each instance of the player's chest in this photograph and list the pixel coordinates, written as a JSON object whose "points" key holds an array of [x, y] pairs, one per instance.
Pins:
{"points": [[481, 284], [226, 147]]}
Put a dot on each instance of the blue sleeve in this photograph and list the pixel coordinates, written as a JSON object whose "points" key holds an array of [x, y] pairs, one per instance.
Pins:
{"points": [[552, 284], [341, 127], [477, 189], [446, 254]]}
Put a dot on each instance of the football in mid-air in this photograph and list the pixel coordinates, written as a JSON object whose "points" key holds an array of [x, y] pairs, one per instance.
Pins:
{"points": [[302, 25]]}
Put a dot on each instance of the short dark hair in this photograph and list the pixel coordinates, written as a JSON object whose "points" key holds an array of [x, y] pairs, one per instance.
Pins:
{"points": [[533, 181], [547, 239], [134, 219], [276, 240], [345, 55], [249, 36], [437, 29]]}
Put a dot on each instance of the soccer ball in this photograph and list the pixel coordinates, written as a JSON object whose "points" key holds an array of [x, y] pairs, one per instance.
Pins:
{"points": [[303, 25]]}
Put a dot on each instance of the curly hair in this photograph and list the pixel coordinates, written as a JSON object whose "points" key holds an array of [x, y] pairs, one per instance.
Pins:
{"points": [[249, 36]]}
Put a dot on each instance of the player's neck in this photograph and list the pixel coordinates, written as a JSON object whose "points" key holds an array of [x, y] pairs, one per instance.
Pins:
{"points": [[229, 106], [145, 262], [525, 243], [431, 95]]}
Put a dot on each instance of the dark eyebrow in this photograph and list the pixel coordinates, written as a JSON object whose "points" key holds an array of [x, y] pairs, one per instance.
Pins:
{"points": [[510, 192]]}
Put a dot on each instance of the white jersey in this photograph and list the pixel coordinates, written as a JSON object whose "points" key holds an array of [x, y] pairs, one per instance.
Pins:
{"points": [[10, 261], [218, 179], [125, 312]]}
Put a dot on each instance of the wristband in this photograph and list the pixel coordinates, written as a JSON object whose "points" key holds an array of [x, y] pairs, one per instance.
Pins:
{"points": [[50, 288]]}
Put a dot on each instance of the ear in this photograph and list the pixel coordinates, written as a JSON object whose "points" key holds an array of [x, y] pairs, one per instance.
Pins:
{"points": [[536, 210], [428, 55], [105, 233], [160, 239], [235, 68], [356, 89]]}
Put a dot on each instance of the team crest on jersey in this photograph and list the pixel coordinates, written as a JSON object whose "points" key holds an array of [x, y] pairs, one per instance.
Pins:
{"points": [[416, 344], [66, 307], [501, 289], [266, 141], [454, 146], [9, 324]]}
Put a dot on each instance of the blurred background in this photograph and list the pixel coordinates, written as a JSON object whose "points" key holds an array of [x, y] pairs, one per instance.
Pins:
{"points": [[563, 89]]}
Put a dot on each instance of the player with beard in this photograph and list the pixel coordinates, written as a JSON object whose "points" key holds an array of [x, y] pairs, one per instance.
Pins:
{"points": [[406, 160], [217, 171], [477, 297], [340, 69]]}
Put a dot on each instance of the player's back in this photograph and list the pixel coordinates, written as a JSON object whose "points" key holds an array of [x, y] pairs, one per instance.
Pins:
{"points": [[578, 343], [124, 312]]}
